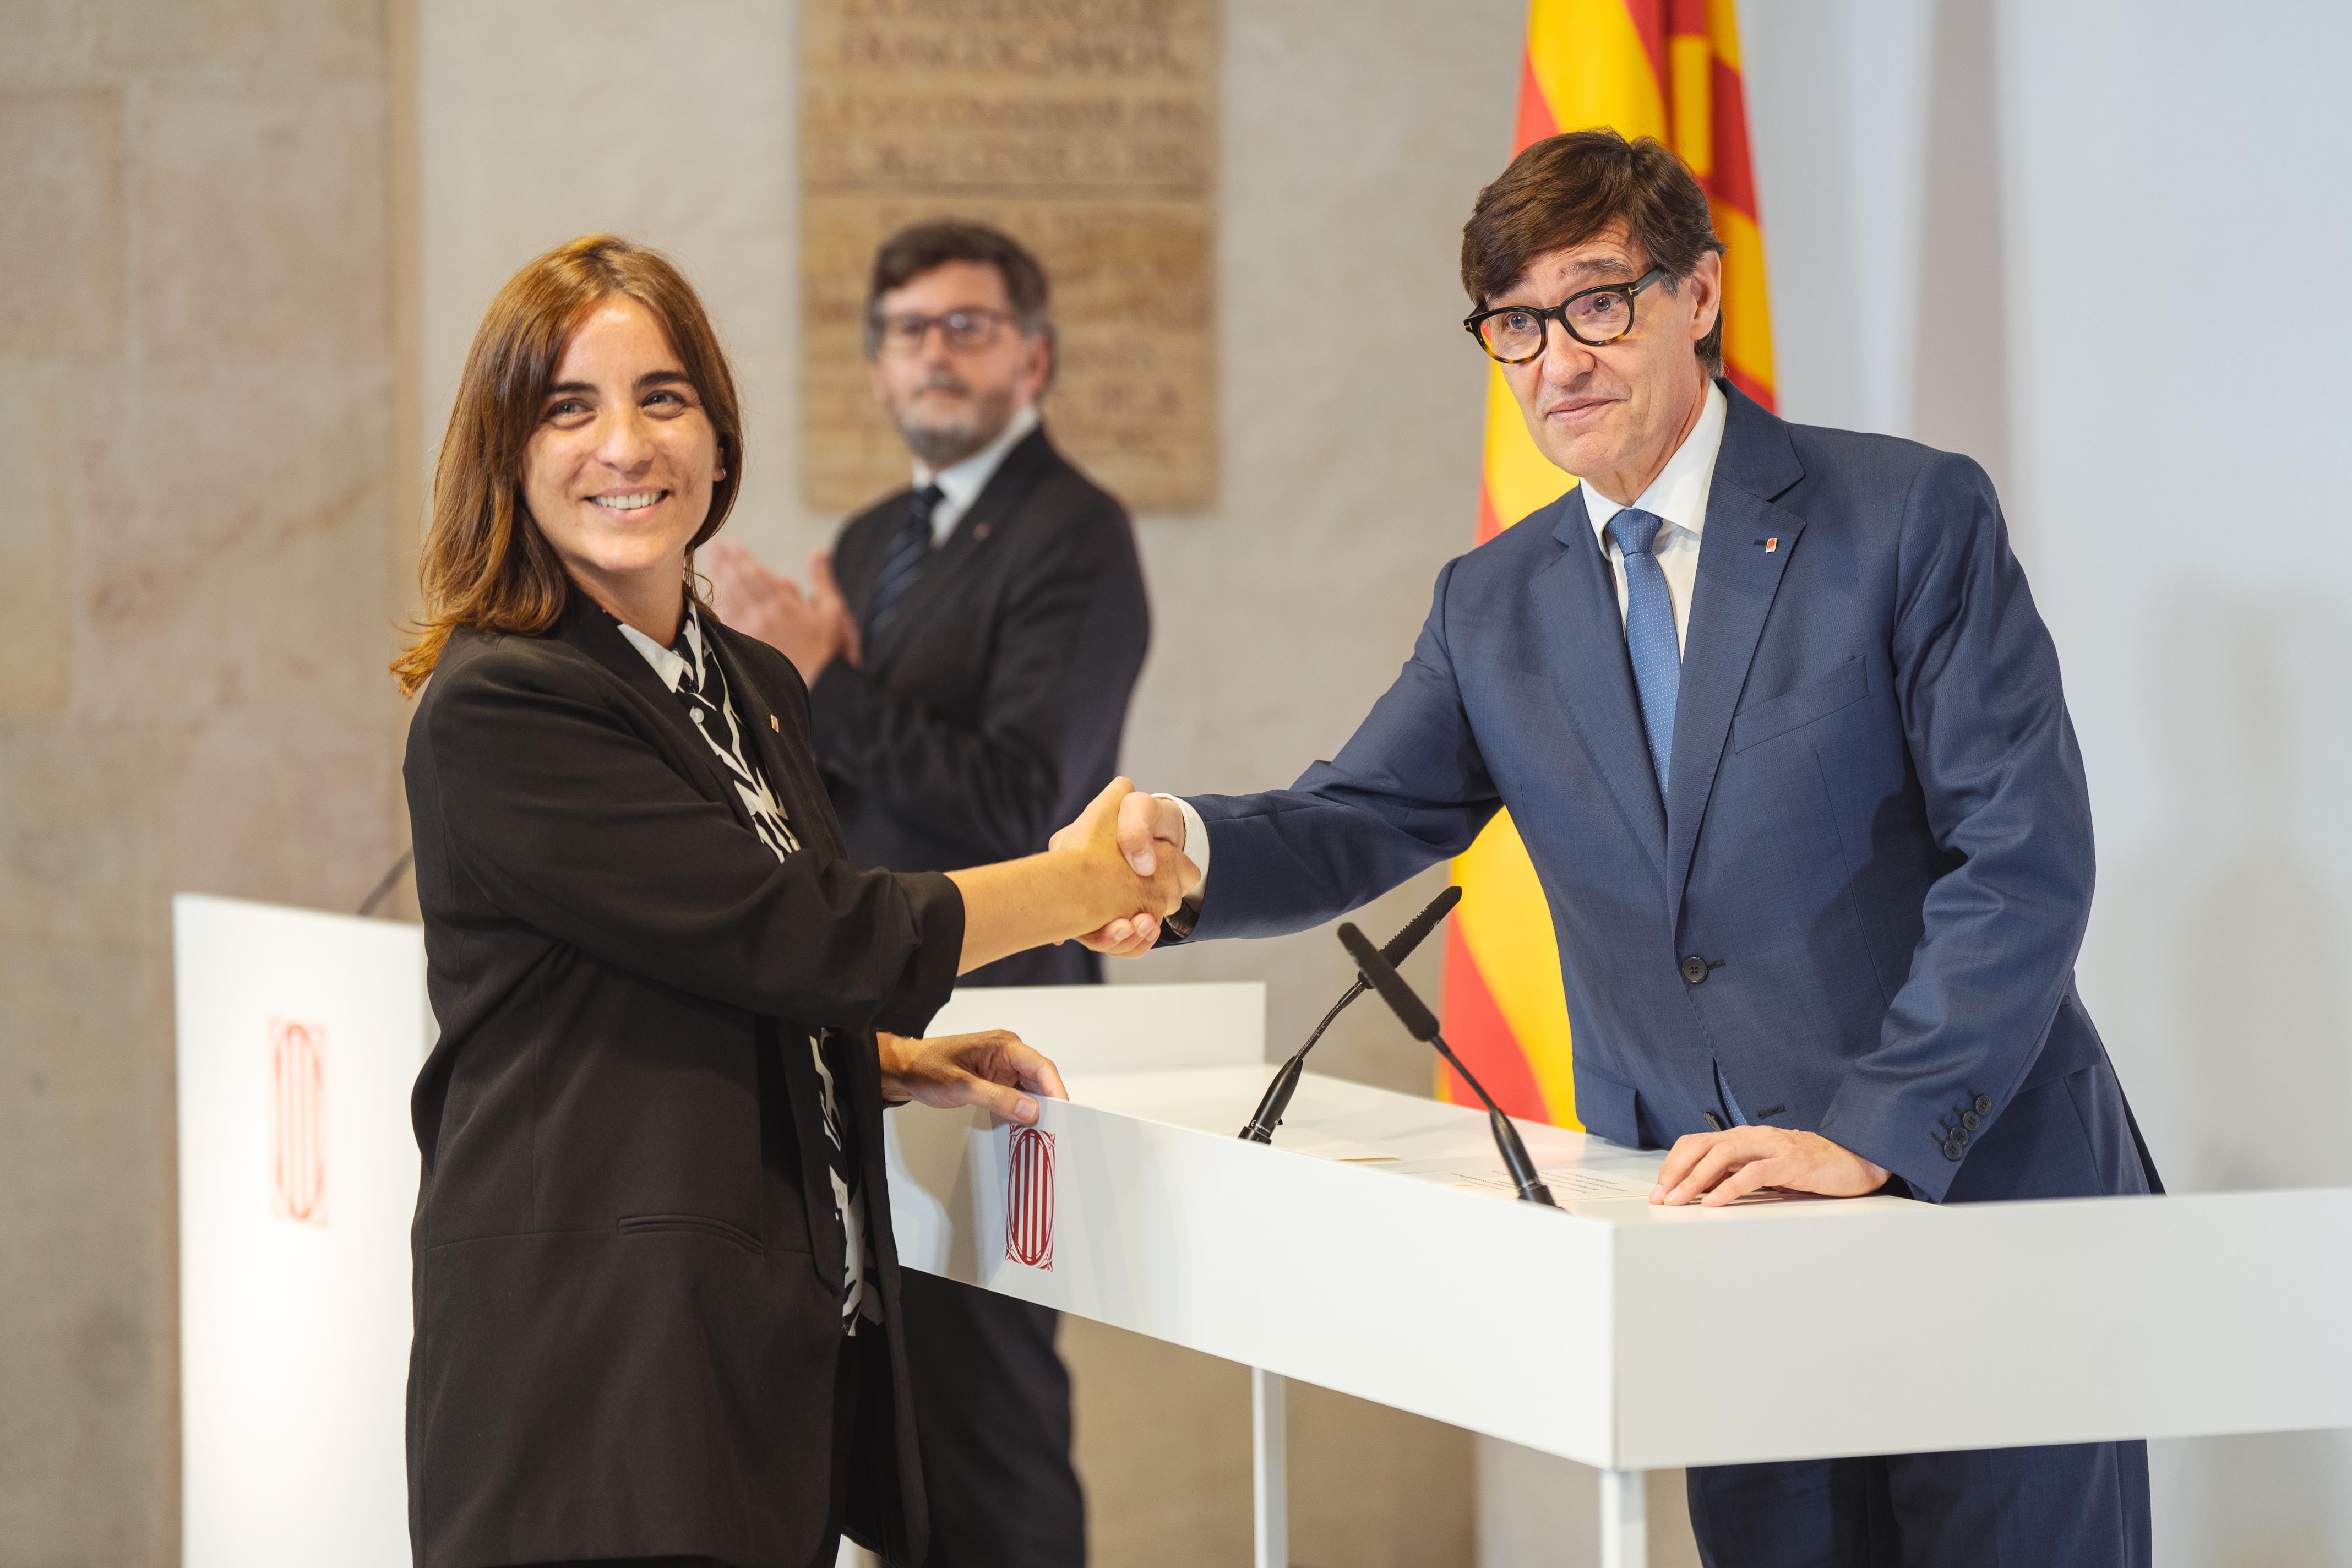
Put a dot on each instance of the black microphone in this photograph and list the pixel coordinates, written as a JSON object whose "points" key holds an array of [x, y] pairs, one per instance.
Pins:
{"points": [[1276, 1100], [1421, 1025]]}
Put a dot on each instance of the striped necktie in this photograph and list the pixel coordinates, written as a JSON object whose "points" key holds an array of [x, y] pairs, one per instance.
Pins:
{"points": [[1650, 638], [909, 549]]}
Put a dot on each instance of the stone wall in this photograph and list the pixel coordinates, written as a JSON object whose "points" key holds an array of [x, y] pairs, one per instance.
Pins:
{"points": [[197, 584]]}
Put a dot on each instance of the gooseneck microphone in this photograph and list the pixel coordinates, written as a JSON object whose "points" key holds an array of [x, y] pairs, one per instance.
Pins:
{"points": [[1277, 1101], [1421, 1025]]}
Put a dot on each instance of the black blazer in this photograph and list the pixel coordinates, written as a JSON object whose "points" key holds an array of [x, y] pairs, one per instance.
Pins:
{"points": [[628, 1271], [989, 710]]}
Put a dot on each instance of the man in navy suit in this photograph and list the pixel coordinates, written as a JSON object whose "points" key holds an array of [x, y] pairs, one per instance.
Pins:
{"points": [[1773, 710]]}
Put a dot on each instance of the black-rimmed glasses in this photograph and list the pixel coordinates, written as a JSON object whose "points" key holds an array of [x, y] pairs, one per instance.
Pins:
{"points": [[963, 331], [1593, 317]]}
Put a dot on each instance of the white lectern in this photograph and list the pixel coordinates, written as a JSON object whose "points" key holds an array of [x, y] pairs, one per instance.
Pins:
{"points": [[1379, 1249], [1376, 1248]]}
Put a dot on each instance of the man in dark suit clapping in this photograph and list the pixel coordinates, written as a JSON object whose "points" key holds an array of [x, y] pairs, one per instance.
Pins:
{"points": [[970, 646]]}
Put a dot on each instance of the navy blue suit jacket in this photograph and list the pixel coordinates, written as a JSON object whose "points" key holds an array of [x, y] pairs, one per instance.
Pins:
{"points": [[1877, 836]]}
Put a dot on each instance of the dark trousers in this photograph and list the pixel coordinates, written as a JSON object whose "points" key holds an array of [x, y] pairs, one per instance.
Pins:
{"points": [[2082, 1505], [2085, 1505], [849, 1387], [992, 1411]]}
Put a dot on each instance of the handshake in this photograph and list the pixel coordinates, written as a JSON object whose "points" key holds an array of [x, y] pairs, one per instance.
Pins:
{"points": [[1135, 842]]}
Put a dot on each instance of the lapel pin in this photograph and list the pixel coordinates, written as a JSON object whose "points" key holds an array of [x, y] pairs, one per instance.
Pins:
{"points": [[1771, 544], [773, 725]]}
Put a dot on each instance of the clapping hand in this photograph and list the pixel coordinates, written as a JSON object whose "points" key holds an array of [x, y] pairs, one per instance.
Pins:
{"points": [[1148, 834], [812, 629]]}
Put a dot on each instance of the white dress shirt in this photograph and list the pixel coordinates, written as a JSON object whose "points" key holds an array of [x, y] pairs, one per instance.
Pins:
{"points": [[961, 483], [1678, 495]]}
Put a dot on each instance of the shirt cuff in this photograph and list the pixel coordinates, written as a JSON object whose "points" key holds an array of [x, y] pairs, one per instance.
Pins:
{"points": [[1196, 843]]}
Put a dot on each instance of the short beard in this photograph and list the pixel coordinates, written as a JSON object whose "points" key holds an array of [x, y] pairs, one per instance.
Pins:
{"points": [[944, 446]]}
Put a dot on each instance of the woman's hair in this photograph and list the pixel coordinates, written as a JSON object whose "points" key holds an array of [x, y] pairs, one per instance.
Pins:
{"points": [[485, 562]]}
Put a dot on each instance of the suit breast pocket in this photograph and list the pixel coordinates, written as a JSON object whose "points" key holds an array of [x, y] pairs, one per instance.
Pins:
{"points": [[1813, 701]]}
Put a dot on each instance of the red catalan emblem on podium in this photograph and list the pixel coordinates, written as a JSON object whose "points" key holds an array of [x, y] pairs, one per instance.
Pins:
{"points": [[298, 1121], [1029, 1199]]}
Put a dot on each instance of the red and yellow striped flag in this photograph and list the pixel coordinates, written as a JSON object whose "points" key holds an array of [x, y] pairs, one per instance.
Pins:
{"points": [[1668, 69]]}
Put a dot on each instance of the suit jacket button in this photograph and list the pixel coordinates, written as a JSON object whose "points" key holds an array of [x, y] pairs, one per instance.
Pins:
{"points": [[1971, 1121], [1951, 1149], [1695, 969], [1984, 1105]]}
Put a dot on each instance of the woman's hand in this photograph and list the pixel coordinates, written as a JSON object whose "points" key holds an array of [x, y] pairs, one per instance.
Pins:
{"points": [[1148, 831], [1079, 886], [988, 1069], [1153, 878]]}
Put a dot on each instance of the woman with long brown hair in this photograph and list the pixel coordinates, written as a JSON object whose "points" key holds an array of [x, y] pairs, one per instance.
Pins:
{"points": [[655, 1290]]}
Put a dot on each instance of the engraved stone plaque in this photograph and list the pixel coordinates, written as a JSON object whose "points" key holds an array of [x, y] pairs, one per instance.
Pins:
{"points": [[1086, 129]]}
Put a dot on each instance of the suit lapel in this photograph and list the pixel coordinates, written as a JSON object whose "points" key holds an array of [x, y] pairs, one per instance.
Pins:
{"points": [[1574, 601], [1737, 580], [787, 767], [974, 531]]}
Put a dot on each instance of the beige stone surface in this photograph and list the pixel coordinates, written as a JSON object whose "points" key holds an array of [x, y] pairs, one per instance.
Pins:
{"points": [[291, 805], [1375, 1488], [262, 220], [194, 614], [49, 40], [325, 37], [86, 832], [232, 537], [88, 1342], [62, 220], [37, 553], [1163, 1446]]}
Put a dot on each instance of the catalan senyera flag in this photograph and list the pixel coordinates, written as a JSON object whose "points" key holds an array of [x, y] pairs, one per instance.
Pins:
{"points": [[1667, 69]]}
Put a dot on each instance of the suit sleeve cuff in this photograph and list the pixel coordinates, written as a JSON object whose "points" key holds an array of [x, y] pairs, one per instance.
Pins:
{"points": [[937, 905], [1179, 926], [1196, 841], [1928, 1171]]}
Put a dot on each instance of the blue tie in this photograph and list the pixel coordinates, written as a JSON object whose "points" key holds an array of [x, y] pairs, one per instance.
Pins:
{"points": [[910, 550], [1650, 633]]}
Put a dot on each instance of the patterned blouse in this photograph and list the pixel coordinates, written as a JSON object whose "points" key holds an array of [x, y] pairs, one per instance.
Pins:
{"points": [[687, 667]]}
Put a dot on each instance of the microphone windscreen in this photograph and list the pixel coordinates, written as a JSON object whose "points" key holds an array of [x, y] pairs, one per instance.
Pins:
{"points": [[1418, 1020], [1417, 930]]}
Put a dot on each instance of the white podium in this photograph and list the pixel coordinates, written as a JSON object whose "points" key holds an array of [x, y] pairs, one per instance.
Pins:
{"points": [[1375, 1249]]}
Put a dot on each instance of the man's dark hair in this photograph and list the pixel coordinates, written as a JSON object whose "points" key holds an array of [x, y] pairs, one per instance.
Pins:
{"points": [[917, 248], [1565, 190]]}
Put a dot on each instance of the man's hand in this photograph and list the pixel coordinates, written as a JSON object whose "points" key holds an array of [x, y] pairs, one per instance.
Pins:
{"points": [[1148, 831], [988, 1069], [1726, 1165], [811, 630]]}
